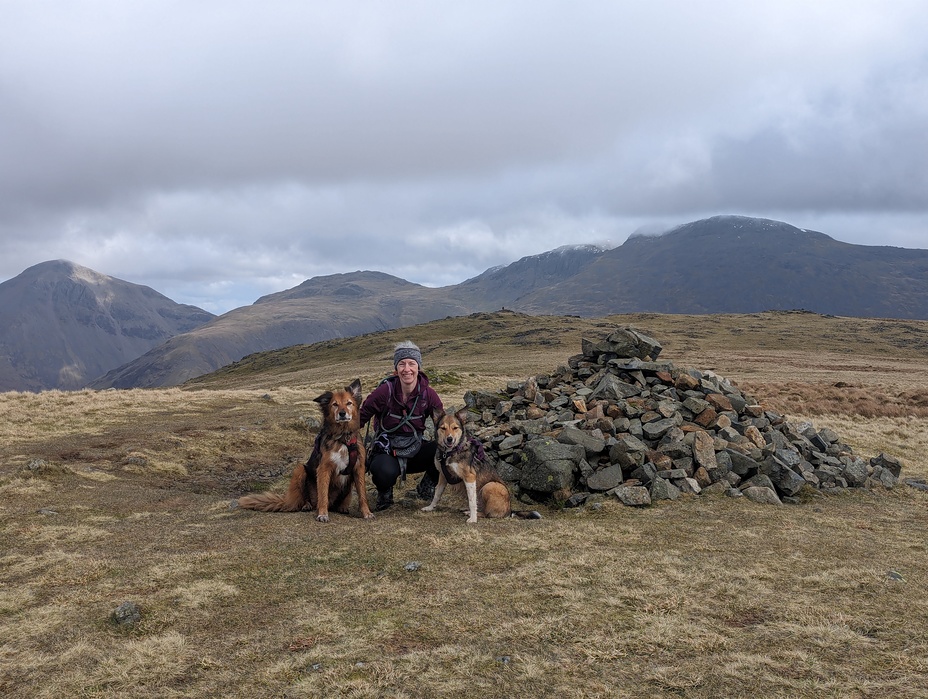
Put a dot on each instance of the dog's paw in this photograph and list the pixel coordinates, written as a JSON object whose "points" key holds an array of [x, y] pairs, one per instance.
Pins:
{"points": [[428, 508], [322, 518], [368, 515], [472, 520]]}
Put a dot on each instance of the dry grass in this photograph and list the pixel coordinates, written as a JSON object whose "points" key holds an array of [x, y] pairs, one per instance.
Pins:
{"points": [[699, 598], [842, 398]]}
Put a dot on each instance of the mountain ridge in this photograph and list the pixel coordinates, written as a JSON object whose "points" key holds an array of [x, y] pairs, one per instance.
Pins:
{"points": [[62, 325], [723, 264], [736, 264]]}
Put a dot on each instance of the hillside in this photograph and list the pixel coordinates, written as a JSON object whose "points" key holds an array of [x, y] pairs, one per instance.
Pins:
{"points": [[725, 264], [62, 324], [339, 305], [735, 264], [334, 306], [507, 285], [126, 573], [481, 349]]}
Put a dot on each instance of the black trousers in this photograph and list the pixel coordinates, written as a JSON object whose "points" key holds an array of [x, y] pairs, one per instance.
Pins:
{"points": [[385, 469]]}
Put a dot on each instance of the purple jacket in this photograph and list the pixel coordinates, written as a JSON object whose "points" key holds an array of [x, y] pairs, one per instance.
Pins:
{"points": [[385, 405]]}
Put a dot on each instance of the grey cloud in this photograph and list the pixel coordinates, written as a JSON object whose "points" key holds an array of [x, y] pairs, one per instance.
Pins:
{"points": [[234, 147]]}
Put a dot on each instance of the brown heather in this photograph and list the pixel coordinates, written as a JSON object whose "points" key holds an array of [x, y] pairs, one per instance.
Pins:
{"points": [[842, 399], [122, 496]]}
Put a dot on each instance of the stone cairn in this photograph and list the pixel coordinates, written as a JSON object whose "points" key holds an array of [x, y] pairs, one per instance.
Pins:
{"points": [[615, 421]]}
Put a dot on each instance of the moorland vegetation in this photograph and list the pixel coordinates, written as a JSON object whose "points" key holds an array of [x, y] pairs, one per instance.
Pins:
{"points": [[109, 497]]}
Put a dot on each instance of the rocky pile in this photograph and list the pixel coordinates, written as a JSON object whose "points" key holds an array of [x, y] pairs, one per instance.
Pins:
{"points": [[617, 421]]}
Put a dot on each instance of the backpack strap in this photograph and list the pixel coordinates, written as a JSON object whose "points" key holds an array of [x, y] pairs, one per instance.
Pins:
{"points": [[404, 419]]}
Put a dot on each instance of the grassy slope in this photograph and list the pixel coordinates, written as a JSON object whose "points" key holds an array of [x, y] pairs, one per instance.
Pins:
{"points": [[697, 598]]}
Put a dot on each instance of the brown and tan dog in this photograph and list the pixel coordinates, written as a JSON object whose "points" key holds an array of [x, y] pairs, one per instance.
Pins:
{"points": [[460, 459], [335, 465]]}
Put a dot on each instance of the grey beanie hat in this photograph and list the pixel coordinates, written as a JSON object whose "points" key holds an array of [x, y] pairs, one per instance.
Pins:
{"points": [[407, 350]]}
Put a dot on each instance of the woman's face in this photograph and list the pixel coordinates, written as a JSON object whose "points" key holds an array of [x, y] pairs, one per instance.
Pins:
{"points": [[408, 371]]}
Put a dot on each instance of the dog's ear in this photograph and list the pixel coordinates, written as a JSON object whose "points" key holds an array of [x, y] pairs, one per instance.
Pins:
{"points": [[354, 388], [462, 415], [324, 399]]}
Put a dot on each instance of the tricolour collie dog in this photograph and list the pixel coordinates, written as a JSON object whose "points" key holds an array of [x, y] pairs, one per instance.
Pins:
{"points": [[336, 464], [459, 459]]}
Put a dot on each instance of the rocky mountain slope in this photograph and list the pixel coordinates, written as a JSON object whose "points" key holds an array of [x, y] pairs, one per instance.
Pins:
{"points": [[735, 264], [339, 305], [62, 325], [724, 264], [321, 308], [509, 284]]}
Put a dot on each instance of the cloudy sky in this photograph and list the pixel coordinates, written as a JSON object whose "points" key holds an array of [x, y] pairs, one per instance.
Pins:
{"points": [[219, 150]]}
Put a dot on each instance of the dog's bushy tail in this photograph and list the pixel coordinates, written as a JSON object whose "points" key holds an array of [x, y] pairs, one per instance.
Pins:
{"points": [[271, 502], [293, 500], [526, 514]]}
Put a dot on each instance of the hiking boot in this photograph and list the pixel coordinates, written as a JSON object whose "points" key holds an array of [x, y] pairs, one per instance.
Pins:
{"points": [[384, 499], [426, 488]]}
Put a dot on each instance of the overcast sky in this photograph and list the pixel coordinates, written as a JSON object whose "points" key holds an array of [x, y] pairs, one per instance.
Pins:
{"points": [[219, 150]]}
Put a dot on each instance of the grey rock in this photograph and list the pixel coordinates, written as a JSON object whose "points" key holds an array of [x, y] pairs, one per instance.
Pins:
{"points": [[761, 480], [741, 464], [512, 442], [126, 615], [890, 463], [611, 388], [784, 479], [628, 450], [546, 449], [656, 430], [662, 489], [764, 496], [855, 471], [717, 488], [592, 445], [704, 450], [689, 486], [884, 477], [633, 496], [605, 479], [585, 469], [551, 466], [645, 473], [548, 476]]}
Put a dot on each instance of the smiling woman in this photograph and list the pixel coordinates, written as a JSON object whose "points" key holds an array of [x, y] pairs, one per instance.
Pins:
{"points": [[399, 408]]}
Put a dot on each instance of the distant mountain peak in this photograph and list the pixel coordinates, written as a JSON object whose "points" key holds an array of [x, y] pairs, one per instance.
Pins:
{"points": [[63, 324], [65, 269], [361, 282], [725, 225], [742, 264]]}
